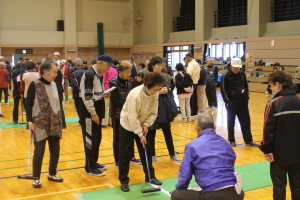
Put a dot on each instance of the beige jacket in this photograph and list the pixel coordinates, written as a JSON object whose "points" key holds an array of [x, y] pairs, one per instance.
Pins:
{"points": [[139, 109]]}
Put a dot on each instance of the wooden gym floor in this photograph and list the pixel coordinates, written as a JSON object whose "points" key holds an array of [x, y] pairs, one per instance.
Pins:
{"points": [[14, 148]]}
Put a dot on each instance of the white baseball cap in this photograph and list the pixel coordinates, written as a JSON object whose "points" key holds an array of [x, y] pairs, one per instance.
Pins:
{"points": [[236, 62], [56, 53]]}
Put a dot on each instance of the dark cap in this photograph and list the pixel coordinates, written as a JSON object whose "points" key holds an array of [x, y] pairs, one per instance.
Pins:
{"points": [[21, 58], [189, 55], [106, 58], [27, 59]]}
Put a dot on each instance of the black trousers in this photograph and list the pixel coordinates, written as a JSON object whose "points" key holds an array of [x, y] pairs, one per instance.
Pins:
{"points": [[116, 140], [225, 194], [278, 175], [211, 94], [39, 150], [166, 128], [16, 109], [5, 90], [126, 143], [76, 102], [242, 112], [92, 135], [194, 101]]}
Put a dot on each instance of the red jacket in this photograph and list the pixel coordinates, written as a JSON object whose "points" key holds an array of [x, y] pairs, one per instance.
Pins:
{"points": [[66, 71], [4, 78]]}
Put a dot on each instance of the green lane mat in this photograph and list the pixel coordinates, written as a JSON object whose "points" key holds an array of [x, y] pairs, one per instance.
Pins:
{"points": [[12, 125], [255, 175]]}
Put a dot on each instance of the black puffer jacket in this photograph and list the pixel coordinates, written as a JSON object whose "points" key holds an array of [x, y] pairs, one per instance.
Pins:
{"points": [[281, 134], [118, 96]]}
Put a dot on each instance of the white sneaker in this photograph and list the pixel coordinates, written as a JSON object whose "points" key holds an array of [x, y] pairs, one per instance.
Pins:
{"points": [[154, 159], [175, 159], [184, 120], [55, 178], [36, 183], [189, 119]]}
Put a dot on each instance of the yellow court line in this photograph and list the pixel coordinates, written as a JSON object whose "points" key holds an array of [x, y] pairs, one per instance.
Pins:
{"points": [[40, 195]]}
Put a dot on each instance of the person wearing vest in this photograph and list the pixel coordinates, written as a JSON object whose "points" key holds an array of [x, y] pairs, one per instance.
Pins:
{"points": [[43, 112]]}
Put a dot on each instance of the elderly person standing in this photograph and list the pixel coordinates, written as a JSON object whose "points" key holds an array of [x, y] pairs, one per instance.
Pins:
{"points": [[162, 121], [138, 113], [44, 121], [107, 76], [211, 80], [56, 57], [66, 75], [4, 82], [210, 158], [193, 69], [123, 86], [281, 136], [235, 93], [91, 112], [201, 88], [29, 76]]}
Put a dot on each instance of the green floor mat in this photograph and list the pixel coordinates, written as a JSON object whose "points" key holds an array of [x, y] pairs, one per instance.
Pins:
{"points": [[12, 125], [255, 175]]}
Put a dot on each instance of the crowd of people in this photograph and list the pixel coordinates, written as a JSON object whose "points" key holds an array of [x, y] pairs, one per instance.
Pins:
{"points": [[142, 102]]}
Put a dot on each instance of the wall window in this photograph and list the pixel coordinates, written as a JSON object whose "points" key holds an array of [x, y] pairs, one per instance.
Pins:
{"points": [[175, 54], [225, 50]]}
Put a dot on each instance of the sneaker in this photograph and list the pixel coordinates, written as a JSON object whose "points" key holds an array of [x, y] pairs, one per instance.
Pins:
{"points": [[96, 172], [24, 113], [252, 144], [1, 115], [136, 161], [233, 144], [101, 167], [184, 120], [189, 119], [154, 159], [175, 159], [55, 178], [208, 107], [36, 183]]}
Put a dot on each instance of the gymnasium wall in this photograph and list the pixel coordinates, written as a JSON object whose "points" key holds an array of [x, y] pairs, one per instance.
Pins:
{"points": [[32, 24], [30, 15]]}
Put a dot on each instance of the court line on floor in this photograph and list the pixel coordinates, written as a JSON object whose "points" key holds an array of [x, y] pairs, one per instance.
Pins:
{"points": [[53, 193], [161, 189]]}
